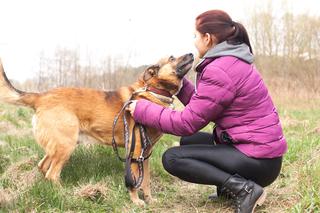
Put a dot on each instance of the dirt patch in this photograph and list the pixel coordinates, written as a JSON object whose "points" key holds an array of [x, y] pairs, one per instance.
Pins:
{"points": [[20, 176], [91, 191], [6, 197]]}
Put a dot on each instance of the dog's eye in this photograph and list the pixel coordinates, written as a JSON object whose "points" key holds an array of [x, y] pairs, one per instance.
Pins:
{"points": [[171, 59], [156, 66]]}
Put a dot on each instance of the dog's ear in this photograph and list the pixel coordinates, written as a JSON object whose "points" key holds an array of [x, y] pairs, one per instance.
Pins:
{"points": [[150, 72]]}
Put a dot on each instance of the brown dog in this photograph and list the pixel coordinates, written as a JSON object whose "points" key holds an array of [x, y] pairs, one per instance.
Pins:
{"points": [[62, 113]]}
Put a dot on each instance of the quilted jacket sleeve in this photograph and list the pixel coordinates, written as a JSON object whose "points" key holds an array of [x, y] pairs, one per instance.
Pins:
{"points": [[215, 91], [186, 92]]}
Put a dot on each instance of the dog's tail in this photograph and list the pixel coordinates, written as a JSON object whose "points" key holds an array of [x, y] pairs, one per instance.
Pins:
{"points": [[9, 94]]}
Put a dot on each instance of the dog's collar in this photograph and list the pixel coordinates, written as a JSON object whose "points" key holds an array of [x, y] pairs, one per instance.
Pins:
{"points": [[165, 99], [159, 92], [163, 96]]}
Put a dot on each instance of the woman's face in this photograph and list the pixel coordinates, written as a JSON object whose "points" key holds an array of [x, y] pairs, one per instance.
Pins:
{"points": [[203, 42]]}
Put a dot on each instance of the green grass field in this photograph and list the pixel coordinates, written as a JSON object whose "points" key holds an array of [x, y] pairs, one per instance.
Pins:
{"points": [[92, 181]]}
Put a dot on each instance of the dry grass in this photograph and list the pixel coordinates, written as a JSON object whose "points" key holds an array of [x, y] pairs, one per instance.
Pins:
{"points": [[20, 178], [11, 129], [6, 197], [173, 194], [92, 191], [292, 95]]}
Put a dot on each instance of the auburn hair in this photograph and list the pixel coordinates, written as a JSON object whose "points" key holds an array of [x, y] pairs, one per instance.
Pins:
{"points": [[220, 24]]}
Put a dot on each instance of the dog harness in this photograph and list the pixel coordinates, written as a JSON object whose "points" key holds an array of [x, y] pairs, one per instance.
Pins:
{"points": [[146, 144], [130, 179]]}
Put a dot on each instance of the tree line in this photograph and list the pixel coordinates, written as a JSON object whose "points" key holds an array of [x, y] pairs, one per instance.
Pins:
{"points": [[285, 46]]}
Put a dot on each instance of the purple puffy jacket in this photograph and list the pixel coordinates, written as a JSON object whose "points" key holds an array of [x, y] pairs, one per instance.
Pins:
{"points": [[229, 92]]}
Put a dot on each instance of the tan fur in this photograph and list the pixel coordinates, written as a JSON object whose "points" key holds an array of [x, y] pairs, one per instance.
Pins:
{"points": [[62, 113]]}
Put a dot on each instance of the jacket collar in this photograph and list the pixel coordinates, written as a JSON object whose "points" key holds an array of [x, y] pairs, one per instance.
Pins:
{"points": [[240, 51], [203, 63]]}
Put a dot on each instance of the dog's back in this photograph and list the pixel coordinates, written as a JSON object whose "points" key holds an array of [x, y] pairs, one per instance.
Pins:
{"points": [[93, 110]]}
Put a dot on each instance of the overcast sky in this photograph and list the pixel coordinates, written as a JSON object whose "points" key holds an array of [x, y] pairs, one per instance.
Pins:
{"points": [[141, 31]]}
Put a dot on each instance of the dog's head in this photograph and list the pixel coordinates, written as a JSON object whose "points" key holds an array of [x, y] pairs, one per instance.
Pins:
{"points": [[167, 74]]}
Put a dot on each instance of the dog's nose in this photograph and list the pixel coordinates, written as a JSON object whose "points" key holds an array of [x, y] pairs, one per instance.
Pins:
{"points": [[190, 56]]}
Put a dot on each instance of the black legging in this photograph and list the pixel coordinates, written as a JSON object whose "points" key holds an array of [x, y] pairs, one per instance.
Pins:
{"points": [[199, 160]]}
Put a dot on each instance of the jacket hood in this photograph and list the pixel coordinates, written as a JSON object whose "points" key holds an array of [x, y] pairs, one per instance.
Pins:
{"points": [[240, 51]]}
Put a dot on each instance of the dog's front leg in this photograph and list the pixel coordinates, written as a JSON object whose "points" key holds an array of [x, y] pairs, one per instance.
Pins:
{"points": [[135, 198], [134, 192], [146, 183]]}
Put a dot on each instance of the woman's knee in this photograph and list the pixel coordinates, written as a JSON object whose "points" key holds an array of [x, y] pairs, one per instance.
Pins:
{"points": [[169, 159]]}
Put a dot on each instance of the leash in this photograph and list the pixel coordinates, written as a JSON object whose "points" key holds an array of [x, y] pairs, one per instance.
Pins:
{"points": [[130, 180], [126, 131]]}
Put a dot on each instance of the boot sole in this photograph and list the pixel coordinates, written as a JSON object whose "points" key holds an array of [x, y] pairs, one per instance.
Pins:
{"points": [[260, 201]]}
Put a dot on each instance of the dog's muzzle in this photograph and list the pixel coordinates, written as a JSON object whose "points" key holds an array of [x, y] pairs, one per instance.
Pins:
{"points": [[185, 65]]}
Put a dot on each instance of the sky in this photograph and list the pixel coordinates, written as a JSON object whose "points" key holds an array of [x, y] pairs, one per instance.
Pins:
{"points": [[141, 31]]}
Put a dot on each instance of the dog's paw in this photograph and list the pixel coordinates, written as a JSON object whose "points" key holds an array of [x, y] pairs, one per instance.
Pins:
{"points": [[139, 202], [150, 199]]}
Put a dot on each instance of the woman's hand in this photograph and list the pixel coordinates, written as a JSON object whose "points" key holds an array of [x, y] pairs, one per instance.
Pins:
{"points": [[131, 107]]}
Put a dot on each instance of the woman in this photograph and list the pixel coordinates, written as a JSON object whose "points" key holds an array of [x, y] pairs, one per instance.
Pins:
{"points": [[244, 153]]}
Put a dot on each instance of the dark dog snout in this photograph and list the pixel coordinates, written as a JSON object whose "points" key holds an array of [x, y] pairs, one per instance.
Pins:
{"points": [[190, 55], [185, 65]]}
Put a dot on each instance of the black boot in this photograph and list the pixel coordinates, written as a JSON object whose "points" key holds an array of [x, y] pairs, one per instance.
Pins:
{"points": [[246, 193], [218, 194]]}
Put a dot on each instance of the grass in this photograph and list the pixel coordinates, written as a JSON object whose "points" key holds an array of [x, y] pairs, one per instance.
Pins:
{"points": [[302, 160], [93, 178]]}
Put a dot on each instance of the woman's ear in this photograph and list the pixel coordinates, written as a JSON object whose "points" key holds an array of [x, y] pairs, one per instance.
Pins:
{"points": [[210, 40], [207, 39]]}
